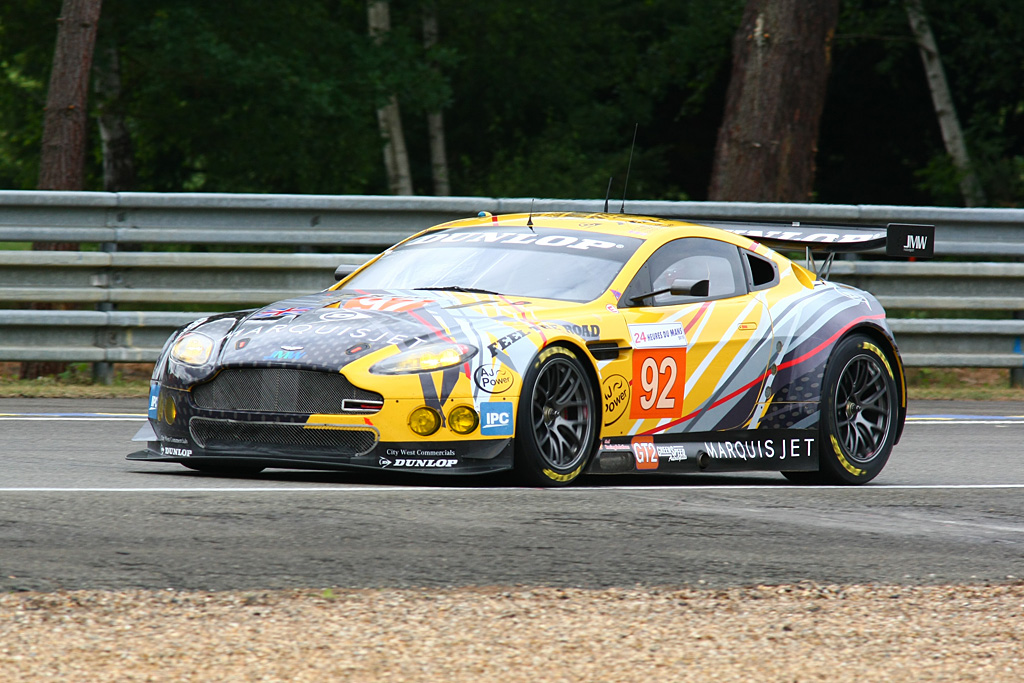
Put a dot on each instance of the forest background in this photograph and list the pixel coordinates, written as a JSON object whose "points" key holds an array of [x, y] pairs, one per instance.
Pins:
{"points": [[537, 98]]}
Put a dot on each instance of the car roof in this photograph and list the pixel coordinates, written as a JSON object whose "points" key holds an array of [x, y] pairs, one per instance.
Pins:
{"points": [[791, 235], [609, 224]]}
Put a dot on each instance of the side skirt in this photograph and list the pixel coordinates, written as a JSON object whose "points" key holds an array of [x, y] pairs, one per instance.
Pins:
{"points": [[760, 450]]}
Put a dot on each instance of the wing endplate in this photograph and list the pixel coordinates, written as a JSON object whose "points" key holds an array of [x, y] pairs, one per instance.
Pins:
{"points": [[906, 240]]}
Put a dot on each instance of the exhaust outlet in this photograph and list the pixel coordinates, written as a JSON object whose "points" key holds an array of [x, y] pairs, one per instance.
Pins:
{"points": [[703, 460]]}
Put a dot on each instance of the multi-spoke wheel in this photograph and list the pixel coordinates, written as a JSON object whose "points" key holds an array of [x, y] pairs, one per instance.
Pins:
{"points": [[556, 426], [859, 413]]}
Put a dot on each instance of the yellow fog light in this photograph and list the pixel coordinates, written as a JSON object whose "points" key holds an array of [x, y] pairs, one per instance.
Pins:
{"points": [[463, 420], [165, 409], [424, 421]]}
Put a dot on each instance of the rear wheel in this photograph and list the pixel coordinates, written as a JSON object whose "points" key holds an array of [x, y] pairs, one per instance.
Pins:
{"points": [[557, 420], [859, 412]]}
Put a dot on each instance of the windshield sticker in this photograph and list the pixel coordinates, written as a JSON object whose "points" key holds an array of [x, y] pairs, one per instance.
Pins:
{"points": [[539, 237]]}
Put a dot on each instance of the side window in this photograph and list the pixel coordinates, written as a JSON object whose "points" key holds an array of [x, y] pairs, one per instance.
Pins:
{"points": [[762, 273], [690, 258]]}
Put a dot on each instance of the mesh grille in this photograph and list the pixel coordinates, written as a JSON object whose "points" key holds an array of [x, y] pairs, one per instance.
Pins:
{"points": [[277, 390], [226, 435]]}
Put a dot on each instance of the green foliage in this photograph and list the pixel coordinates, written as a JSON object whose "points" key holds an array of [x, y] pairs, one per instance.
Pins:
{"points": [[881, 142], [262, 100], [28, 32], [540, 98], [548, 101]]}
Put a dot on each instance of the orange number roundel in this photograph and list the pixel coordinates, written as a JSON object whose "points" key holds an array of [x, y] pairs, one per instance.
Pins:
{"points": [[659, 378]]}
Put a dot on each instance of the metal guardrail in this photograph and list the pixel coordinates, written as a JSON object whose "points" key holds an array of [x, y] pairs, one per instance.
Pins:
{"points": [[110, 277], [337, 221]]}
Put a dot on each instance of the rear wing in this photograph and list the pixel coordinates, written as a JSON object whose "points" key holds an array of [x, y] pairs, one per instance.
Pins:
{"points": [[901, 240]]}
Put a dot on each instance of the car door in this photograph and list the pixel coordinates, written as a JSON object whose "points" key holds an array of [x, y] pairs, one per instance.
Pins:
{"points": [[699, 361]]}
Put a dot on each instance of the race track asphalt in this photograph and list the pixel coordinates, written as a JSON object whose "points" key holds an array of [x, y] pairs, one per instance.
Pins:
{"points": [[949, 508]]}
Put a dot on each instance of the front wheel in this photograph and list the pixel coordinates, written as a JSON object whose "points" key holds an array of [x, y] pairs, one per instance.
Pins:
{"points": [[557, 420], [859, 414]]}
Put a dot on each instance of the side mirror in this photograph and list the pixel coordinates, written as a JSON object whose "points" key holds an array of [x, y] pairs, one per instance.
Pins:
{"points": [[343, 271], [689, 288]]}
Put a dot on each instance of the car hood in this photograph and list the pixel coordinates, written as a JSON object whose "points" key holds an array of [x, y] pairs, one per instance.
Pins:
{"points": [[331, 329]]}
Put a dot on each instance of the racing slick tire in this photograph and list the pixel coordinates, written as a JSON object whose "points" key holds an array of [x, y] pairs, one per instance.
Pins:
{"points": [[224, 468], [557, 420], [859, 411]]}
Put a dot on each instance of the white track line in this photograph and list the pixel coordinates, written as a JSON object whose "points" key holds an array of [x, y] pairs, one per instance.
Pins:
{"points": [[460, 489], [73, 417], [951, 421]]}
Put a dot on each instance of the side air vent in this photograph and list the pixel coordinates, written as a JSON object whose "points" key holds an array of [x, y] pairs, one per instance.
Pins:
{"points": [[605, 350]]}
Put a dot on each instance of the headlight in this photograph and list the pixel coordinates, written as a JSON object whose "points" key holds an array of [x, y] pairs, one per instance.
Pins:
{"points": [[426, 358], [192, 349]]}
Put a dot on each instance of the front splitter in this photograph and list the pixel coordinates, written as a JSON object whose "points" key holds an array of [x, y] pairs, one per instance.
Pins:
{"points": [[463, 458]]}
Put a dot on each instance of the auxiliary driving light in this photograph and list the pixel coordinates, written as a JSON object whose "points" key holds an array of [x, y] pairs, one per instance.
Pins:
{"points": [[463, 420], [165, 409], [424, 421]]}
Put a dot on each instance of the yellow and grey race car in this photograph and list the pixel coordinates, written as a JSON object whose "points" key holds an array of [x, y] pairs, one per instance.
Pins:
{"points": [[552, 345]]}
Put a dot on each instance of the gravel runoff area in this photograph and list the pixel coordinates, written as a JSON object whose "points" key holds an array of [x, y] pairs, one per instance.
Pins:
{"points": [[802, 632]]}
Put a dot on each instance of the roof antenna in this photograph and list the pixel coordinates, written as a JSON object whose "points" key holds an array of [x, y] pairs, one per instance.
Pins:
{"points": [[622, 209], [608, 193], [529, 221]]}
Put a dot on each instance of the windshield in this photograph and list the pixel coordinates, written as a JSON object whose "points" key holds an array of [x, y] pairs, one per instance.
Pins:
{"points": [[571, 265]]}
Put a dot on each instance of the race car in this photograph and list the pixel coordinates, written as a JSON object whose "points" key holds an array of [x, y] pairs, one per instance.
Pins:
{"points": [[550, 346]]}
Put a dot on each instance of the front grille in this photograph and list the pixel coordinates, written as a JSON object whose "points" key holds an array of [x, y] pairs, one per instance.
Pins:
{"points": [[279, 390], [230, 435]]}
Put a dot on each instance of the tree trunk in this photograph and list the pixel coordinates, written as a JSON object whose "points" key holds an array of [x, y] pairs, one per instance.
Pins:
{"points": [[769, 134], [65, 119], [435, 119], [62, 165], [945, 110], [389, 118]]}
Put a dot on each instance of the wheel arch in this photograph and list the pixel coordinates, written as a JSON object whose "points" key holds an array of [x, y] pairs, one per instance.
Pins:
{"points": [[887, 344]]}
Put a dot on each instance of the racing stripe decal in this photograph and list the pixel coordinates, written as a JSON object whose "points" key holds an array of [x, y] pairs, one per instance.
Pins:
{"points": [[700, 314], [430, 394], [828, 342], [818, 349]]}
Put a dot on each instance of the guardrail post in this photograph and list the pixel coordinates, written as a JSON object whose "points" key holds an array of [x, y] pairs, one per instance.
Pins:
{"points": [[1017, 374], [103, 371]]}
